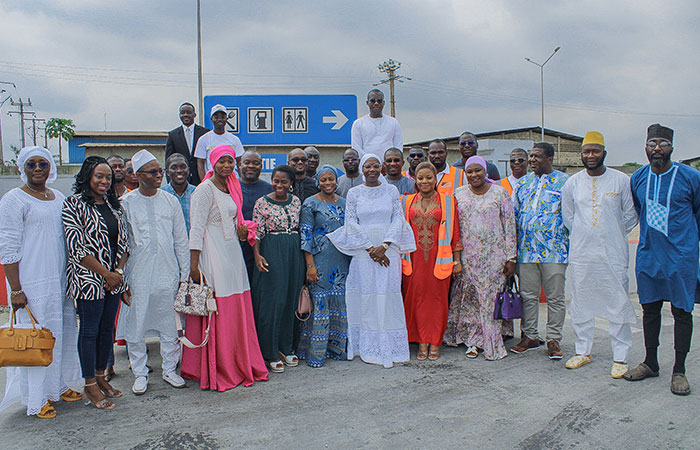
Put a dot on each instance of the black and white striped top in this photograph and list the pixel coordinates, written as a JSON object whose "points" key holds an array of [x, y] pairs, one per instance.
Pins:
{"points": [[87, 234]]}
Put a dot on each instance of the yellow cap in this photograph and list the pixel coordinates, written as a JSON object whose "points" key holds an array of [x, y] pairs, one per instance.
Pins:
{"points": [[593, 137]]}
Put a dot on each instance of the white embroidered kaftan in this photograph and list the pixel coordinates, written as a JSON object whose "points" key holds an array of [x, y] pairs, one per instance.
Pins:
{"points": [[376, 320], [599, 212]]}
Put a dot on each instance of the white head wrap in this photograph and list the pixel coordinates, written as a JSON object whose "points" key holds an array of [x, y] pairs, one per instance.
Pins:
{"points": [[28, 152], [141, 158], [364, 159]]}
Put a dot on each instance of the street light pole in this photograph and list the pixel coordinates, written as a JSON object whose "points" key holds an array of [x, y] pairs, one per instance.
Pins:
{"points": [[199, 63], [541, 66]]}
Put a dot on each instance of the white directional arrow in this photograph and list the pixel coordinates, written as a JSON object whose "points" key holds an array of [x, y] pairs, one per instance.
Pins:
{"points": [[338, 119]]}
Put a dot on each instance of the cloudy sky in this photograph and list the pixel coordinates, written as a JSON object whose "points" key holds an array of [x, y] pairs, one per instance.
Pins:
{"points": [[622, 65]]}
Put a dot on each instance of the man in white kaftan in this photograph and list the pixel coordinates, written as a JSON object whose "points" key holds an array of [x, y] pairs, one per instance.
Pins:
{"points": [[158, 261], [598, 210], [375, 132]]}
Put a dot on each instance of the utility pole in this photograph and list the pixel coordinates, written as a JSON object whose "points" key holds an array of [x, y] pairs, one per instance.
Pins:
{"points": [[21, 113], [34, 128], [2, 91], [390, 67], [199, 63]]}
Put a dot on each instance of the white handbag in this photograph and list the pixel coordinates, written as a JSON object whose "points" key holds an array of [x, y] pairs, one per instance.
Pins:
{"points": [[196, 300]]}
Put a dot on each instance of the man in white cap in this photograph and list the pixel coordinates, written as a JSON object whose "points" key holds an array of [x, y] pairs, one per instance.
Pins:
{"points": [[214, 138], [158, 261], [598, 210]]}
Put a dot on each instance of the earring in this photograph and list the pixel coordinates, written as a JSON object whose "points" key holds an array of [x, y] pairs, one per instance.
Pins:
{"points": [[291, 189]]}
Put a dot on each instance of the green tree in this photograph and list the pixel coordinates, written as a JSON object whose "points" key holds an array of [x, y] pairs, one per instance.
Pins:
{"points": [[632, 164], [63, 129]]}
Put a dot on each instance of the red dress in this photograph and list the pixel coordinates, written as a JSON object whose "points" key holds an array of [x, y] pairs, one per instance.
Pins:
{"points": [[425, 297]]}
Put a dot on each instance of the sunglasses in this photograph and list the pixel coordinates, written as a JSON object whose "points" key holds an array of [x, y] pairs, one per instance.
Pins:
{"points": [[347, 160], [375, 100], [296, 159], [469, 143], [651, 145], [31, 165], [415, 155], [153, 172], [129, 170], [517, 160]]}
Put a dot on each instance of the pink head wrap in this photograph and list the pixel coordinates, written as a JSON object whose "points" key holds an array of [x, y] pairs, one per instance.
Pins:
{"points": [[234, 189], [476, 159]]}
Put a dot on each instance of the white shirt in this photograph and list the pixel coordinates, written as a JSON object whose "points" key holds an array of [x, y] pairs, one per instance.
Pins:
{"points": [[211, 140], [599, 212], [375, 135]]}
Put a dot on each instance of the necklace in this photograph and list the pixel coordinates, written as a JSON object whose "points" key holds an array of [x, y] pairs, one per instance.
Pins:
{"points": [[45, 192]]}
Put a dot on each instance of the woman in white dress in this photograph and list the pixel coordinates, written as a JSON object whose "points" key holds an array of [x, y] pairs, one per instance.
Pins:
{"points": [[375, 234], [33, 253]]}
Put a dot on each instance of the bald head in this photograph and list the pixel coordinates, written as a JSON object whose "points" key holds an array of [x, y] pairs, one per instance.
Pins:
{"points": [[298, 161], [251, 166], [314, 160]]}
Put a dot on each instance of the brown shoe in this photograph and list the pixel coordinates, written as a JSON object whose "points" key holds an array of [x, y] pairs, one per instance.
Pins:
{"points": [[524, 345], [679, 384], [553, 350]]}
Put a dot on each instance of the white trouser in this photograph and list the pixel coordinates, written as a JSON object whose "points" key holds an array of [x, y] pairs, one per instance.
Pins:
{"points": [[169, 352], [620, 338]]}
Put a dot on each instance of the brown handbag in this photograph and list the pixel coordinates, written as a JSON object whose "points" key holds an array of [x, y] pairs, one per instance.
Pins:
{"points": [[304, 305], [26, 347]]}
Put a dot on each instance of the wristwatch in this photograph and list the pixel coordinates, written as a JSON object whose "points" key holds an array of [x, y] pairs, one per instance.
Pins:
{"points": [[119, 271], [385, 245]]}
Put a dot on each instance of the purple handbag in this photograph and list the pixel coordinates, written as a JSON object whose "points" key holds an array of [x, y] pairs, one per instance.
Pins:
{"points": [[509, 304]]}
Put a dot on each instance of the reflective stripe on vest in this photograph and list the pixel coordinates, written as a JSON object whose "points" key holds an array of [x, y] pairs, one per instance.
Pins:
{"points": [[505, 182], [450, 181], [443, 261]]}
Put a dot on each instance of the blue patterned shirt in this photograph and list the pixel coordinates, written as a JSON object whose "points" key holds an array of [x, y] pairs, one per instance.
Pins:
{"points": [[542, 237], [184, 201]]}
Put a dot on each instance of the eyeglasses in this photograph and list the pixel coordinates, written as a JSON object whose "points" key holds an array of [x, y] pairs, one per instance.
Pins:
{"points": [[153, 172], [372, 166], [129, 170], [415, 155], [347, 160], [375, 100], [469, 143], [517, 160], [31, 165], [296, 159], [665, 145], [392, 160]]}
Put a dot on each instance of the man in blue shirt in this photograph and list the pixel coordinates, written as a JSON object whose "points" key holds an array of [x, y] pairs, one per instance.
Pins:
{"points": [[178, 173], [543, 249], [253, 188], [667, 198]]}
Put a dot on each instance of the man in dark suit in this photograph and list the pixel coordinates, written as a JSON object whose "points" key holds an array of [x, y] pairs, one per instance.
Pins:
{"points": [[183, 139]]}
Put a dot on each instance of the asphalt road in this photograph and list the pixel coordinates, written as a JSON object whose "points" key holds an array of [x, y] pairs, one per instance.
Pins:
{"points": [[524, 401]]}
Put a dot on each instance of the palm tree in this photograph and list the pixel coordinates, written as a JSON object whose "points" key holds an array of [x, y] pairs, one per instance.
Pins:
{"points": [[61, 129]]}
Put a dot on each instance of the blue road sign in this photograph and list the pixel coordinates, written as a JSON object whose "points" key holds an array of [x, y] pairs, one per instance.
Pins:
{"points": [[272, 160], [287, 119]]}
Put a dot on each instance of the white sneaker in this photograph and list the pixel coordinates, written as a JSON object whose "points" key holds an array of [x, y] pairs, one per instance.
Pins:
{"points": [[174, 380], [140, 385]]}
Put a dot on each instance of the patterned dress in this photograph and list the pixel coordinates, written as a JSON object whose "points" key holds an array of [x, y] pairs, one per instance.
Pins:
{"points": [[488, 233], [276, 293], [324, 335]]}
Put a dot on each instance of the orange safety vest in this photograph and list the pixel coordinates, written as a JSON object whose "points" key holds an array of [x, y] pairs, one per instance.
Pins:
{"points": [[450, 181], [443, 262], [505, 182]]}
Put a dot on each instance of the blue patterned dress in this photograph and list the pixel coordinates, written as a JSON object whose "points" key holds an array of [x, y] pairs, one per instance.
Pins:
{"points": [[324, 335]]}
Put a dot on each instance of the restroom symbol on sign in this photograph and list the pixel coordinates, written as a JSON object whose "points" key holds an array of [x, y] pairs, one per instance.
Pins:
{"points": [[260, 120], [295, 120]]}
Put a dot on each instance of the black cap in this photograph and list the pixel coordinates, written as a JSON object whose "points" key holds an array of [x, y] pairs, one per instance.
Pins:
{"points": [[659, 131]]}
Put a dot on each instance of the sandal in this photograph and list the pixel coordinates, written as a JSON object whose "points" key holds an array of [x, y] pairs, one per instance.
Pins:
{"points": [[472, 352], [422, 354], [109, 391], [290, 360], [434, 352], [71, 396], [47, 412], [110, 373], [100, 404], [640, 372], [276, 366], [679, 384]]}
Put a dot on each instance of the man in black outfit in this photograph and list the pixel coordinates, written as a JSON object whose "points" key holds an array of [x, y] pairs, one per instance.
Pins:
{"points": [[303, 185], [183, 140]]}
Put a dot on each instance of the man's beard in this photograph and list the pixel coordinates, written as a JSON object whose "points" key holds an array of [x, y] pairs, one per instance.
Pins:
{"points": [[117, 179], [597, 166], [658, 163]]}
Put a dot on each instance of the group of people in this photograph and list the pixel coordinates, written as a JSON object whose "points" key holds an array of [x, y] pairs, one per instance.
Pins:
{"points": [[389, 257]]}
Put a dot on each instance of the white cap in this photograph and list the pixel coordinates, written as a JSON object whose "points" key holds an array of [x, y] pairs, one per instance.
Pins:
{"points": [[216, 109], [141, 158]]}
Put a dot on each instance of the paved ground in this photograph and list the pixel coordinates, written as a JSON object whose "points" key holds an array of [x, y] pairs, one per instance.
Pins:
{"points": [[524, 401]]}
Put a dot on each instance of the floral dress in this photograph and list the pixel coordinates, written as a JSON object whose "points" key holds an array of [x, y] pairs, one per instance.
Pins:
{"points": [[487, 224], [324, 335]]}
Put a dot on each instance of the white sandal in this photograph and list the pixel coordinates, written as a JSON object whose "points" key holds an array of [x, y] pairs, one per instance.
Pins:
{"points": [[472, 352], [276, 366], [290, 360]]}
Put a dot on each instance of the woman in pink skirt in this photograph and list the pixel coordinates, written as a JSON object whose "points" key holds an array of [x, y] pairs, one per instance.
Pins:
{"points": [[232, 355]]}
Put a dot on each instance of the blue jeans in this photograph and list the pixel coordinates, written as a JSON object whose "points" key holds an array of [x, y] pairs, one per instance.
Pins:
{"points": [[96, 332]]}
